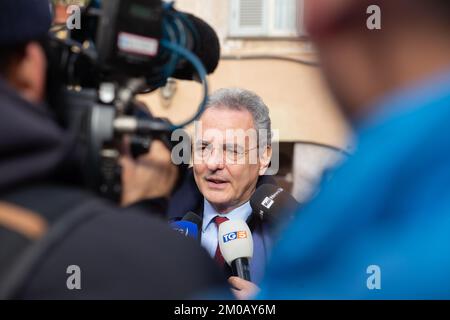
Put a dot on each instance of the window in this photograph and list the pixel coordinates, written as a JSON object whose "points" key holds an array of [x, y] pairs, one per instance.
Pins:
{"points": [[266, 18]]}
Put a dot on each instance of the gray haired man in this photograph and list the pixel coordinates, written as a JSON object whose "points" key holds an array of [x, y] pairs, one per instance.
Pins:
{"points": [[232, 152]]}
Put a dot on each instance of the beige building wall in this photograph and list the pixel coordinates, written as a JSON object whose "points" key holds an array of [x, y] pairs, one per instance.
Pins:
{"points": [[301, 107]]}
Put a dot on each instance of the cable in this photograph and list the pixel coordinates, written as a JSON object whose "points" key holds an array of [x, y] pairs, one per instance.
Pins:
{"points": [[176, 32], [202, 74]]}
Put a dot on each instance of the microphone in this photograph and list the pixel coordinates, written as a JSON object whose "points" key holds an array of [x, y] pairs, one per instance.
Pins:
{"points": [[205, 43], [236, 246], [272, 203], [194, 218], [186, 228]]}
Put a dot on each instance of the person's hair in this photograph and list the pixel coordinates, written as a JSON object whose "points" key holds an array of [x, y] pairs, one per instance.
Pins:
{"points": [[13, 54], [240, 99], [9, 55]]}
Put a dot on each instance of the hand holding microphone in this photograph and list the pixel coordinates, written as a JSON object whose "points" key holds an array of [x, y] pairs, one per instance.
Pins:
{"points": [[236, 245], [243, 289]]}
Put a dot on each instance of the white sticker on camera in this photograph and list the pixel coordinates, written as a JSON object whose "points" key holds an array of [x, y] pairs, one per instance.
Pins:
{"points": [[132, 43]]}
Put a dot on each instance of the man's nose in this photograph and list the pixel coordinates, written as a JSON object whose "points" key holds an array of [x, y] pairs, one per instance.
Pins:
{"points": [[216, 160]]}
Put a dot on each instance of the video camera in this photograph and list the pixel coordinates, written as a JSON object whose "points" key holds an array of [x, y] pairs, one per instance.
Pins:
{"points": [[125, 48]]}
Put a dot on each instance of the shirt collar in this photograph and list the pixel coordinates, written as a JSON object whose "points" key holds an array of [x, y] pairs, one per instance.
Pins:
{"points": [[240, 213]]}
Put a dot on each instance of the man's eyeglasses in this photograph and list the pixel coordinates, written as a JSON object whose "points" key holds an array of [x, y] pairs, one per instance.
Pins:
{"points": [[232, 152]]}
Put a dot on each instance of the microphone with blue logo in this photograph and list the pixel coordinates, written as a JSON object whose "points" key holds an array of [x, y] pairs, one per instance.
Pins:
{"points": [[236, 246], [189, 226]]}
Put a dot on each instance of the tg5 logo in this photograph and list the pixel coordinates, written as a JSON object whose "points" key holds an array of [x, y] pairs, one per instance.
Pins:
{"points": [[234, 235]]}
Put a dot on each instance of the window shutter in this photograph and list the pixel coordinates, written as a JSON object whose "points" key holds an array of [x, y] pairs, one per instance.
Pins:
{"points": [[285, 18], [249, 17], [301, 28]]}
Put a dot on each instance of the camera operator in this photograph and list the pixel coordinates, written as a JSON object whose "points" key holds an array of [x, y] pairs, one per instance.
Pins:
{"points": [[48, 224], [136, 173]]}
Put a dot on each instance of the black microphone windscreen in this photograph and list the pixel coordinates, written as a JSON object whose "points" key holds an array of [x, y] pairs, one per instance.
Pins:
{"points": [[272, 202], [207, 48], [194, 218]]}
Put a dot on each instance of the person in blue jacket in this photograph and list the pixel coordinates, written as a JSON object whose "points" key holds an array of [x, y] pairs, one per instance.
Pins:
{"points": [[380, 229]]}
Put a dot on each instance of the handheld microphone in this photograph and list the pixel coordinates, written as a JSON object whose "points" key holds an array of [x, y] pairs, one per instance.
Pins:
{"points": [[186, 228], [272, 203], [194, 218], [236, 246]]}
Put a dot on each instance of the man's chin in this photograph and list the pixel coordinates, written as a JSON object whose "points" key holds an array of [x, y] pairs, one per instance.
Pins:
{"points": [[217, 199]]}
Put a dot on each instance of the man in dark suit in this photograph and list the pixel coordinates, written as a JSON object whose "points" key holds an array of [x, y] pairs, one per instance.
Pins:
{"points": [[232, 152]]}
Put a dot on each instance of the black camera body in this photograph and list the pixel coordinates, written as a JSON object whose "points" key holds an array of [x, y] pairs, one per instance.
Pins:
{"points": [[124, 48], [128, 36]]}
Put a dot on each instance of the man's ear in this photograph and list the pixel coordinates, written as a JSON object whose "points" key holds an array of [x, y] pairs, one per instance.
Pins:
{"points": [[264, 160], [28, 74]]}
